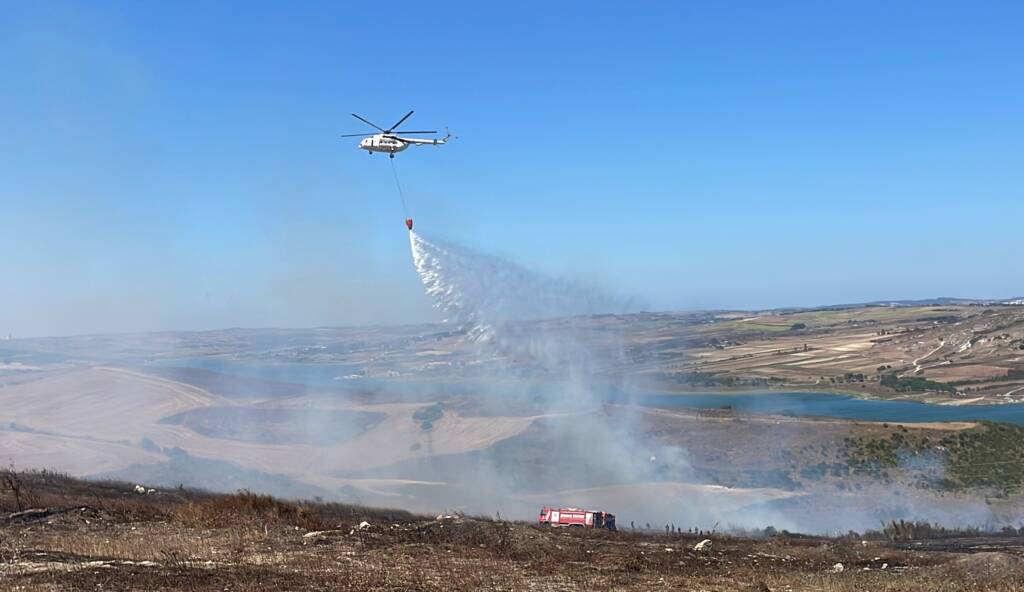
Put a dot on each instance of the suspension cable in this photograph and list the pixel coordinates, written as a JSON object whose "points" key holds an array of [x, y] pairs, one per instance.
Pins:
{"points": [[394, 171]]}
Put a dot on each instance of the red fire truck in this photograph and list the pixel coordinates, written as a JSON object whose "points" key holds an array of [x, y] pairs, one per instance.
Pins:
{"points": [[556, 517]]}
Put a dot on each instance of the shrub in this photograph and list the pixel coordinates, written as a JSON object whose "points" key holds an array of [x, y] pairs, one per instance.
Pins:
{"points": [[914, 384], [245, 506], [428, 415]]}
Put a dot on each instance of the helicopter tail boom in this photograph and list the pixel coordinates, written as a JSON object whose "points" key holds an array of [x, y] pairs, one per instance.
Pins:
{"points": [[426, 141]]}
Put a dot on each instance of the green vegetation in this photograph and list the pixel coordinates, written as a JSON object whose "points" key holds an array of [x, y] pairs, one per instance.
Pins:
{"points": [[990, 456], [710, 380], [1010, 375], [941, 319], [872, 456], [821, 470], [903, 450], [428, 415], [914, 384]]}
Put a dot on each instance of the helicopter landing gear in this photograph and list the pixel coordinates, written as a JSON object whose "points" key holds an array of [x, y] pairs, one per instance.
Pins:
{"points": [[391, 155]]}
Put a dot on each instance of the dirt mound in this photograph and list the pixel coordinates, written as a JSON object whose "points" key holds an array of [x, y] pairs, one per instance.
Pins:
{"points": [[988, 564]]}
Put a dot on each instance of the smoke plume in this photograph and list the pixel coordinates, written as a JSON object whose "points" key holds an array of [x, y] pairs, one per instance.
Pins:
{"points": [[606, 459]]}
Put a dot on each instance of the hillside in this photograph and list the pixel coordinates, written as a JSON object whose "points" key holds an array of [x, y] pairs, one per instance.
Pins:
{"points": [[424, 419], [64, 534], [510, 455]]}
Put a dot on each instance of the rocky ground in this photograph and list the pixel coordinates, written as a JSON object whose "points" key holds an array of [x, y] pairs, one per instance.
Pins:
{"points": [[111, 536]]}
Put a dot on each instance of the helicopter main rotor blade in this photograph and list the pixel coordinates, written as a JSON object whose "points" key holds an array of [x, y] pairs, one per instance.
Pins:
{"points": [[400, 121], [373, 125], [396, 132], [353, 135]]}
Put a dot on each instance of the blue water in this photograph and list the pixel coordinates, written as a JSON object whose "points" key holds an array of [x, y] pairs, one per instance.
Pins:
{"points": [[769, 403], [839, 406]]}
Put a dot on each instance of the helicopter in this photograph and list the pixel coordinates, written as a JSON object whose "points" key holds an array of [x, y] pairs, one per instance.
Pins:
{"points": [[390, 142]]}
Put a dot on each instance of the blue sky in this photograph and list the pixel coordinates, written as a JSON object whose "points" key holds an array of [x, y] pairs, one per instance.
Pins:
{"points": [[178, 166]]}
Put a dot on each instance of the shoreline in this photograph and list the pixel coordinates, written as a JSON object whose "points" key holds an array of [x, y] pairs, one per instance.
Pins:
{"points": [[928, 398]]}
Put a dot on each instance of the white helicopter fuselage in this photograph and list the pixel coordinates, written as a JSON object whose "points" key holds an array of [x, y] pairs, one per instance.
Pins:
{"points": [[382, 143], [392, 144]]}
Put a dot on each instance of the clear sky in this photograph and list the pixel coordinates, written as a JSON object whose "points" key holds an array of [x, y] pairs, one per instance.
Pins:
{"points": [[177, 165]]}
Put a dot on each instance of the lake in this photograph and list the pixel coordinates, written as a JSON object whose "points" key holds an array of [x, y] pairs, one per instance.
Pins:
{"points": [[769, 403], [839, 406]]}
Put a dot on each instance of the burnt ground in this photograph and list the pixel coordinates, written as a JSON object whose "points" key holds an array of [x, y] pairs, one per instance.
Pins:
{"points": [[314, 427], [105, 536]]}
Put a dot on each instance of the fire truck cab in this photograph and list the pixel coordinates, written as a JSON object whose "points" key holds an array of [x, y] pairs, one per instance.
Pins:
{"points": [[558, 517]]}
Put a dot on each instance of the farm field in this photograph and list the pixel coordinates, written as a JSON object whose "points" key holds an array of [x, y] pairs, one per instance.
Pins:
{"points": [[472, 454]]}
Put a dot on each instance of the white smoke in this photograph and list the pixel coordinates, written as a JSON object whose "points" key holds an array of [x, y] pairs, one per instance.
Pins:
{"points": [[607, 459], [487, 297]]}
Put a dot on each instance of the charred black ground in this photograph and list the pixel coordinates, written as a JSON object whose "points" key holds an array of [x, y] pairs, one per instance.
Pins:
{"points": [[59, 533]]}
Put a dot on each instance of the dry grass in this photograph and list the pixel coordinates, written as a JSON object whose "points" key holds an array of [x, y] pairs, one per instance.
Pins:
{"points": [[245, 507], [187, 540]]}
